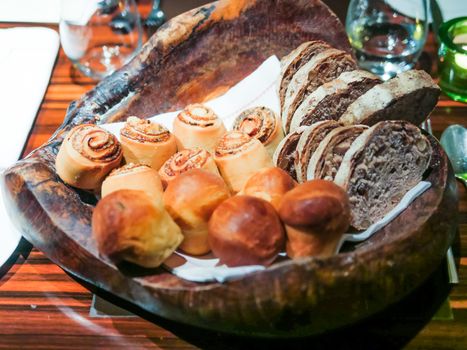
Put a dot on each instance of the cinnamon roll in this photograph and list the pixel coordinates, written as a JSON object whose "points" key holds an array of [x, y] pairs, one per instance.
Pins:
{"points": [[197, 126], [238, 156], [88, 153], [262, 124], [146, 142], [134, 177], [185, 160]]}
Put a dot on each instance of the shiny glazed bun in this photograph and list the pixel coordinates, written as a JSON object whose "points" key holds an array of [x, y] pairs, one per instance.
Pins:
{"points": [[191, 199], [129, 225], [269, 184], [134, 177], [316, 214], [88, 153], [246, 230]]}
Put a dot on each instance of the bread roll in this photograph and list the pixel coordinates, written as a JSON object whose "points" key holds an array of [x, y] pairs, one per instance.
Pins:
{"points": [[129, 225], [263, 124], [316, 214], [185, 160], [134, 177], [246, 230], [238, 156], [191, 199], [269, 184], [197, 126], [146, 142], [88, 153]]}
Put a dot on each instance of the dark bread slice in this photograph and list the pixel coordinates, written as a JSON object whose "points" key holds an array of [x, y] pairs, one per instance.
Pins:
{"points": [[331, 99], [284, 156], [382, 164], [324, 67], [410, 96], [328, 157], [308, 143], [291, 63]]}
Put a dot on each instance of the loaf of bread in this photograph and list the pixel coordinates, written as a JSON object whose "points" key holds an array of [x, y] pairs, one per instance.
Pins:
{"points": [[330, 100], [316, 214], [410, 96], [327, 158], [130, 226], [246, 230], [324, 67], [291, 63], [191, 199], [382, 164], [308, 143], [284, 156]]}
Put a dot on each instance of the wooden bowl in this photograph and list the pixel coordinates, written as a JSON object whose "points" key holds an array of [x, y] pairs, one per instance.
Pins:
{"points": [[194, 57]]}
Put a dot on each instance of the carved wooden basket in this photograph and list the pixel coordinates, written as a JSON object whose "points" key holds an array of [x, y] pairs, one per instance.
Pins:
{"points": [[194, 57]]}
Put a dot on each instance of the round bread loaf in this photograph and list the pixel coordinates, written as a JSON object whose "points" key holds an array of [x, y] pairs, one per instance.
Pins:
{"points": [[129, 225], [246, 230], [316, 214], [191, 199]]}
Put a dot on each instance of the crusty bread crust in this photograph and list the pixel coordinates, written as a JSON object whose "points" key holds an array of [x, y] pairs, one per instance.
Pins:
{"points": [[410, 96]]}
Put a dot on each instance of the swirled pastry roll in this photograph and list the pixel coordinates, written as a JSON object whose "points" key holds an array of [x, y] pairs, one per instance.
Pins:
{"points": [[88, 153], [238, 156], [263, 124], [185, 160], [134, 177], [197, 126], [146, 142]]}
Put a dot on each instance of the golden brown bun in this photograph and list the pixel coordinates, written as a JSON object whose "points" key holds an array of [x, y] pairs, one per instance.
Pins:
{"points": [[185, 160], [88, 153], [129, 225], [263, 124], [238, 156], [316, 214], [134, 177], [146, 142], [197, 126], [270, 184], [246, 230], [190, 199]]}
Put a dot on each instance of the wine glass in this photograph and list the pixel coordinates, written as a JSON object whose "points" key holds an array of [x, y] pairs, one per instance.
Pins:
{"points": [[387, 35], [100, 36]]}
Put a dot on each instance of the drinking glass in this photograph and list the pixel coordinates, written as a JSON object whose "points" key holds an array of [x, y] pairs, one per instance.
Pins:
{"points": [[387, 35], [100, 36]]}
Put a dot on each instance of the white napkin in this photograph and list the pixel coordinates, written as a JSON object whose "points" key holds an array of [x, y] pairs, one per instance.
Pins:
{"points": [[30, 11], [258, 89], [27, 56]]}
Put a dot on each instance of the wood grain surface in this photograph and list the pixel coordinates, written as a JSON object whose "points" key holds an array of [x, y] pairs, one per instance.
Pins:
{"points": [[41, 307]]}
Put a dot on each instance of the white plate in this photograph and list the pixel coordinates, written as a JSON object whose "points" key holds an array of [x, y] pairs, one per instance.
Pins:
{"points": [[450, 8], [10, 236]]}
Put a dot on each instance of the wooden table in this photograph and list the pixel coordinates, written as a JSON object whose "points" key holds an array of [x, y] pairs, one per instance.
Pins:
{"points": [[41, 307]]}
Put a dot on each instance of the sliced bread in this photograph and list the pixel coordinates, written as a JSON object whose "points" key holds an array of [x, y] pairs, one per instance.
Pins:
{"points": [[325, 66], [330, 100], [284, 156], [410, 96], [291, 63], [382, 164], [327, 158], [308, 143]]}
